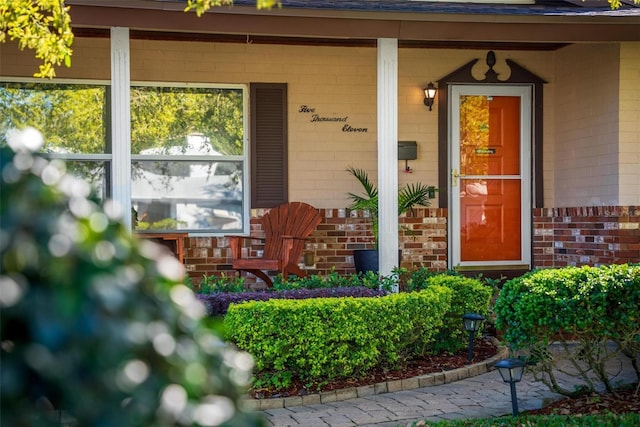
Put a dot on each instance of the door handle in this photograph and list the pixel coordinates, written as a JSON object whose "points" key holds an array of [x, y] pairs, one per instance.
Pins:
{"points": [[454, 177]]}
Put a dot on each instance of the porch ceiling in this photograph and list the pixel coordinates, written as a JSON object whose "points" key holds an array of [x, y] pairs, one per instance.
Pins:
{"points": [[418, 24]]}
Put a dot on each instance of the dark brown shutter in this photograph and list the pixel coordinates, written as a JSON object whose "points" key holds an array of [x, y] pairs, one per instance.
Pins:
{"points": [[268, 145]]}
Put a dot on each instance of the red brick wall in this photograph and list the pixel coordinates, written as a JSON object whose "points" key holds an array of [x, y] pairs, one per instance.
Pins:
{"points": [[332, 243], [586, 236], [561, 237]]}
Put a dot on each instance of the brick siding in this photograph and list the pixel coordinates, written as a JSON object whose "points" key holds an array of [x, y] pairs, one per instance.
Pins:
{"points": [[594, 235], [561, 237]]}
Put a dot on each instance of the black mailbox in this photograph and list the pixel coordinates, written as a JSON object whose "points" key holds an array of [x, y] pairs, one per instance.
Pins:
{"points": [[407, 150]]}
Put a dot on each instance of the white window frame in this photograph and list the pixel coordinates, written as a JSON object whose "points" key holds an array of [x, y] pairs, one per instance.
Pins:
{"points": [[121, 170], [244, 158], [91, 157]]}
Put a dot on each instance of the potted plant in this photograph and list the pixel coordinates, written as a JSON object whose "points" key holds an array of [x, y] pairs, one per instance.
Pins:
{"points": [[409, 196]]}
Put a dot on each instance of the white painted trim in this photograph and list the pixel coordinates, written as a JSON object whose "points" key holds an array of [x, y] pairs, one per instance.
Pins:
{"points": [[76, 156], [187, 157], [120, 186], [526, 117], [244, 158], [121, 121], [388, 154], [246, 179]]}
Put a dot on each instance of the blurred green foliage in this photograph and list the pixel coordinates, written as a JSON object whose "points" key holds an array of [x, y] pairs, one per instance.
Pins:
{"points": [[95, 323]]}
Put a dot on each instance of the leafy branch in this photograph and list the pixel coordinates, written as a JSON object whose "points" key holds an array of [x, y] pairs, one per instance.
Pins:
{"points": [[43, 26]]}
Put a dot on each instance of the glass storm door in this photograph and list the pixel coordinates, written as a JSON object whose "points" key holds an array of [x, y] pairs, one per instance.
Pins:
{"points": [[490, 176]]}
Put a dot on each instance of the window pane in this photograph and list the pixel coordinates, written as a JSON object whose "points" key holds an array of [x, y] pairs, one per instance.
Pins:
{"points": [[71, 117], [193, 121], [93, 172], [187, 195]]}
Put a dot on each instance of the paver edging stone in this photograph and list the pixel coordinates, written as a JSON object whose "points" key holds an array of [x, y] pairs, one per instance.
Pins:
{"points": [[427, 380]]}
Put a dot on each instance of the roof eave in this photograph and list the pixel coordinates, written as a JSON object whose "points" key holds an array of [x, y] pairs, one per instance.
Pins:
{"points": [[139, 15]]}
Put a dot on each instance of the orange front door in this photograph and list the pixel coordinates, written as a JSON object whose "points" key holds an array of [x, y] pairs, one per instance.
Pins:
{"points": [[488, 181]]}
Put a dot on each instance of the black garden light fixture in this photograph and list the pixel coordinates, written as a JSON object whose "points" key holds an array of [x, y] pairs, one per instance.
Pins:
{"points": [[472, 323], [511, 371], [429, 95]]}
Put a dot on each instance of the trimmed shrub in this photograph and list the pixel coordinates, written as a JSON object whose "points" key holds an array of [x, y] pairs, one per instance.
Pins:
{"points": [[96, 323], [587, 305], [327, 338], [218, 303], [469, 295]]}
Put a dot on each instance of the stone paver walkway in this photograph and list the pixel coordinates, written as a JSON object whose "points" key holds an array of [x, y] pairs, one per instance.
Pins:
{"points": [[481, 396]]}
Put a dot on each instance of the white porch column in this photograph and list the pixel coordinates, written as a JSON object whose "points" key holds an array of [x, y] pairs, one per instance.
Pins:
{"points": [[121, 121], [388, 153]]}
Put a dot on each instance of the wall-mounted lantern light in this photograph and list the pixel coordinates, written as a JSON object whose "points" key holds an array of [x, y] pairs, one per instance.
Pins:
{"points": [[429, 95], [511, 371], [472, 324]]}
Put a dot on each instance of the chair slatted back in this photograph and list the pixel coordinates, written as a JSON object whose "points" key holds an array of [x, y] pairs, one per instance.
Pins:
{"points": [[295, 219]]}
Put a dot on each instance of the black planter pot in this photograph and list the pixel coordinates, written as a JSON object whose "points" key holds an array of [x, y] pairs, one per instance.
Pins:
{"points": [[367, 260]]}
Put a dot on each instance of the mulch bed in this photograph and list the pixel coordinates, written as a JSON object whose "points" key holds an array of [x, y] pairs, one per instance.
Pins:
{"points": [[622, 402], [482, 349]]}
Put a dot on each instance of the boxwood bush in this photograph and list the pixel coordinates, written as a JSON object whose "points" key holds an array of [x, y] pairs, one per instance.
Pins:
{"points": [[96, 323], [326, 338], [469, 295], [218, 303], [582, 309]]}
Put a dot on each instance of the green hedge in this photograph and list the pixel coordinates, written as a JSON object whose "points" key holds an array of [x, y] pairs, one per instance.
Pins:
{"points": [[583, 310], [598, 301], [96, 323], [469, 295], [328, 338]]}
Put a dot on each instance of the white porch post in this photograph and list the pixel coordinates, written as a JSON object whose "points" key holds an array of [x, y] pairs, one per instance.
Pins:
{"points": [[388, 153], [121, 122]]}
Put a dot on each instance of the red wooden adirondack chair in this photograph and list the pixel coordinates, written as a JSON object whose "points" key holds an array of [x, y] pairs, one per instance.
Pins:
{"points": [[286, 227]]}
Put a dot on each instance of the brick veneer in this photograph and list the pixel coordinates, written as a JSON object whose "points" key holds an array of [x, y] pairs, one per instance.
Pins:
{"points": [[423, 242], [561, 237], [586, 236]]}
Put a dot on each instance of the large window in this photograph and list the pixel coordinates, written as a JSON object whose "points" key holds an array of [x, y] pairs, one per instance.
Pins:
{"points": [[71, 117], [188, 151]]}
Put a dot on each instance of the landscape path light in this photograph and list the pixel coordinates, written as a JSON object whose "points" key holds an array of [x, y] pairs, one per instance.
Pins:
{"points": [[511, 371], [472, 323]]}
